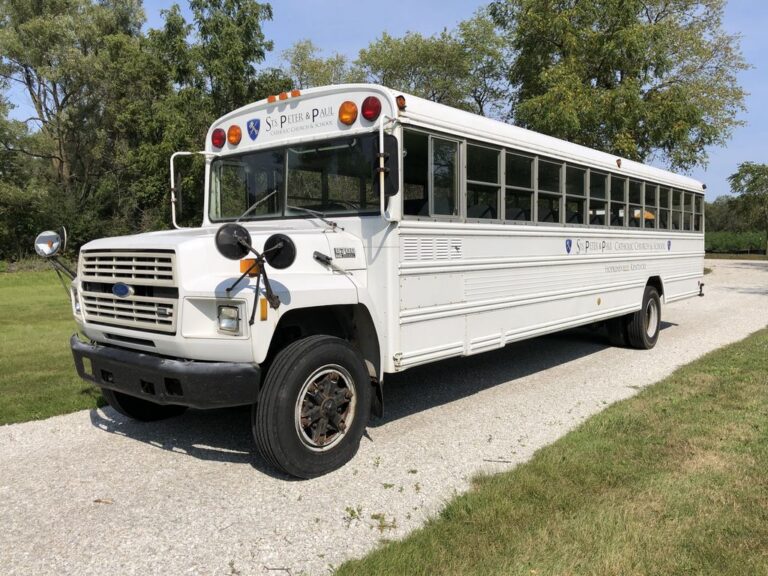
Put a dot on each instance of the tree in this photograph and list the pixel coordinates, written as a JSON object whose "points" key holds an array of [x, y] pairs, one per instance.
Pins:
{"points": [[231, 43], [307, 69], [431, 67], [636, 78], [750, 182]]}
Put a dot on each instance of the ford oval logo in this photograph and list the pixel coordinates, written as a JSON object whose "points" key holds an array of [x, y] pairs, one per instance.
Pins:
{"points": [[122, 290]]}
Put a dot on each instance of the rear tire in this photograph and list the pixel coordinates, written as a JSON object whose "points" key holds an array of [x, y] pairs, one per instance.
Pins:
{"points": [[139, 409], [313, 408], [643, 326], [617, 331]]}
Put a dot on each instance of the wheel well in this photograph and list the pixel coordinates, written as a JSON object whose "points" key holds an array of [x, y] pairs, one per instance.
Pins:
{"points": [[655, 281], [352, 322]]}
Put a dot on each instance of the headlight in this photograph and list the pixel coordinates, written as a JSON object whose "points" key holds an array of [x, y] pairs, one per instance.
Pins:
{"points": [[75, 301], [229, 319]]}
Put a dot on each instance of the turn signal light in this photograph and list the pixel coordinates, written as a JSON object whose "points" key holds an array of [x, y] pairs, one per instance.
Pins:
{"points": [[295, 93], [249, 265], [218, 138], [272, 99], [234, 134], [348, 113], [371, 108], [283, 96]]}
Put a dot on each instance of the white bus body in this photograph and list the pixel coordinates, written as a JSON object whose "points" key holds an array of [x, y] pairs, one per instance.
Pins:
{"points": [[474, 234]]}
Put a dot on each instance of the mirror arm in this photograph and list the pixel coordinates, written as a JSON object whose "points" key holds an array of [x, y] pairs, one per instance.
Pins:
{"points": [[272, 298]]}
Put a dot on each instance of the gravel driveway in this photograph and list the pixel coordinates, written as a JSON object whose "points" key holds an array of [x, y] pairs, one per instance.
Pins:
{"points": [[94, 493]]}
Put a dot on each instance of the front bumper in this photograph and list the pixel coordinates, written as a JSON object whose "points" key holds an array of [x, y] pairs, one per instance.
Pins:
{"points": [[166, 381]]}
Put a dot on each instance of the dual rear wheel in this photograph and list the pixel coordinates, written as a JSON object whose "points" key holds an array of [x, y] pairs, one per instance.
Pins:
{"points": [[640, 329]]}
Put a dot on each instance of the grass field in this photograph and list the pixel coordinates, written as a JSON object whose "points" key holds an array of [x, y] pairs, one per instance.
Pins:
{"points": [[37, 375], [672, 481]]}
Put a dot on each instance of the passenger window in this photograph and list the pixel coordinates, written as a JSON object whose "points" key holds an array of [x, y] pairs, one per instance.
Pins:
{"points": [[635, 204], [650, 215], [664, 197], [444, 177], [597, 198], [548, 208], [518, 193], [677, 209], [415, 173], [482, 182], [617, 201], [575, 199]]}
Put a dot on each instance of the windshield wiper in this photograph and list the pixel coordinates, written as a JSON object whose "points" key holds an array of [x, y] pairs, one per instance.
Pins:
{"points": [[316, 214], [256, 204]]}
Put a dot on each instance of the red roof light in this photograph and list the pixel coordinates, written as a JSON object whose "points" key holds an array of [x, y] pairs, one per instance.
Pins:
{"points": [[218, 138], [371, 108]]}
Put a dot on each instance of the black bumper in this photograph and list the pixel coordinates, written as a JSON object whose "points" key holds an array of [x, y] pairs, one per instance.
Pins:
{"points": [[166, 381]]}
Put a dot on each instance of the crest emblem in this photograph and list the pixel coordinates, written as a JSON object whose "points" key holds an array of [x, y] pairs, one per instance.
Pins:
{"points": [[568, 245], [253, 126]]}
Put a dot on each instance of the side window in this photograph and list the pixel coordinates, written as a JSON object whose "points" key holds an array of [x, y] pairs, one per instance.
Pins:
{"points": [[635, 204], [549, 191], [482, 182], [445, 154], [677, 209], [518, 193], [415, 173], [698, 214], [618, 204], [665, 195], [688, 211], [575, 196], [597, 198], [650, 214]]}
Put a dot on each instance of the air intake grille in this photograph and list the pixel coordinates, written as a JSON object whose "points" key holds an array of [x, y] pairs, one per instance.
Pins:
{"points": [[143, 268], [152, 303]]}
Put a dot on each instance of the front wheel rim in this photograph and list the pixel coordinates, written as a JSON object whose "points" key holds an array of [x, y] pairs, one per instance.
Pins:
{"points": [[325, 407], [651, 318]]}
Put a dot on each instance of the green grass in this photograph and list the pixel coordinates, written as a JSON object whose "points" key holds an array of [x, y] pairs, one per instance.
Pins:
{"points": [[672, 481], [37, 374], [719, 256]]}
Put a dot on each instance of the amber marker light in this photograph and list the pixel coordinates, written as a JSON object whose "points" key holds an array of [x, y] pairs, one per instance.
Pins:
{"points": [[234, 135], [348, 113], [272, 99], [249, 265], [283, 96], [263, 309], [400, 102], [295, 93]]}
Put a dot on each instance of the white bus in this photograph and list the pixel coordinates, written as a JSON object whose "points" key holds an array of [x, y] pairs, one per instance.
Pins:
{"points": [[374, 231]]}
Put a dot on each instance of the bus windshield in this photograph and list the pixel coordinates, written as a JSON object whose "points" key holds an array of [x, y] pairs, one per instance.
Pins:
{"points": [[331, 177]]}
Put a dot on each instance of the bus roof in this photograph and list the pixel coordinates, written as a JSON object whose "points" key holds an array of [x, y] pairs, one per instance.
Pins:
{"points": [[452, 121]]}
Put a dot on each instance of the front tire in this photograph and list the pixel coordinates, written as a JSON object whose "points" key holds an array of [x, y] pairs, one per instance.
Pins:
{"points": [[313, 408], [643, 326], [139, 409]]}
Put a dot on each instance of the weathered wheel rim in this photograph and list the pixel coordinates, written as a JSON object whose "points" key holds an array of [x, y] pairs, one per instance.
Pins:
{"points": [[651, 318], [325, 407]]}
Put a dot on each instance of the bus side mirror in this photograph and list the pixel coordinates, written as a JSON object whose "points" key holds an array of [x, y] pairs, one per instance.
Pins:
{"points": [[48, 244]]}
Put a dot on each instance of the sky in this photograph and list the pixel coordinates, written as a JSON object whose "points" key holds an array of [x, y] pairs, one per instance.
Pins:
{"points": [[345, 26]]}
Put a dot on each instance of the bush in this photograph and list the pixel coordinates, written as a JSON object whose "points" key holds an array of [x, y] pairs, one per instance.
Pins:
{"points": [[735, 242]]}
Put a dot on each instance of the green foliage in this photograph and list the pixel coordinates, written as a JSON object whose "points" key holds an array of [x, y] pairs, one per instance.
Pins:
{"points": [[636, 78], [464, 68], [750, 182], [112, 103], [734, 242], [308, 69]]}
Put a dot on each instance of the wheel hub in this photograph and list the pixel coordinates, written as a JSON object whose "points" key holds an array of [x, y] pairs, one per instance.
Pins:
{"points": [[325, 407]]}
